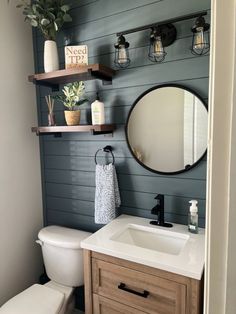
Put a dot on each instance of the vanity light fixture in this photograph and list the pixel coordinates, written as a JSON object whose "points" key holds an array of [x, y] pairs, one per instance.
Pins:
{"points": [[163, 34], [122, 59], [161, 37], [200, 41]]}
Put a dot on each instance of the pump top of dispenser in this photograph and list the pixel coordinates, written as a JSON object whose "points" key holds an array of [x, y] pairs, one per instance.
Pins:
{"points": [[193, 208], [97, 100]]}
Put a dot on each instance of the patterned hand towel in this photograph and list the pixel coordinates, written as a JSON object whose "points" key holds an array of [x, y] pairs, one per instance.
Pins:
{"points": [[107, 195]]}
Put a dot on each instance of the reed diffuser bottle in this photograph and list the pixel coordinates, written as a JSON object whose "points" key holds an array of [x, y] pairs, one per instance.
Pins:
{"points": [[51, 115]]}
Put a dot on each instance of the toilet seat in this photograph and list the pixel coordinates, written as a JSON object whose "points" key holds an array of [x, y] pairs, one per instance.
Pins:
{"points": [[37, 299]]}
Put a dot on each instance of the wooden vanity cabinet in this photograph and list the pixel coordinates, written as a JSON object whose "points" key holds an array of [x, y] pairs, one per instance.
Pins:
{"points": [[117, 286]]}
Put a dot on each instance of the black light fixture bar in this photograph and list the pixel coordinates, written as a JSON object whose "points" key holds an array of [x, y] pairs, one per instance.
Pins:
{"points": [[170, 21]]}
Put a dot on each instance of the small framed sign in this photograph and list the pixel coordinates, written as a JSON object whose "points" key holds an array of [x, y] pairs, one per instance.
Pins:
{"points": [[76, 55]]}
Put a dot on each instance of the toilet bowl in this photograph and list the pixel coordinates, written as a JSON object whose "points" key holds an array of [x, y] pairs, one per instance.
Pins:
{"points": [[63, 260]]}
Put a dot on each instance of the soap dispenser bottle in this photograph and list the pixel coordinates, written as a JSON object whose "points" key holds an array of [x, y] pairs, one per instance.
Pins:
{"points": [[193, 217], [97, 110]]}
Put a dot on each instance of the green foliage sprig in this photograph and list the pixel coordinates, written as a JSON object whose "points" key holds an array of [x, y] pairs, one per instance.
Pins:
{"points": [[72, 95], [47, 15]]}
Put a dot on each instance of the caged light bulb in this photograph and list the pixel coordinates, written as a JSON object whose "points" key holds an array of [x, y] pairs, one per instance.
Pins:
{"points": [[199, 39], [158, 50], [122, 56]]}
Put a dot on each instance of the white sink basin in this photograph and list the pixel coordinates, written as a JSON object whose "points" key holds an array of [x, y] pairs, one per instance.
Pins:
{"points": [[134, 239], [152, 238]]}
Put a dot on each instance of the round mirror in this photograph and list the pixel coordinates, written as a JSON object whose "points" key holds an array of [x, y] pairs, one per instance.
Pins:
{"points": [[166, 129]]}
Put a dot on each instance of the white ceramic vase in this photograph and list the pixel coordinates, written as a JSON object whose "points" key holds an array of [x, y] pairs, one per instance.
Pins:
{"points": [[51, 60]]}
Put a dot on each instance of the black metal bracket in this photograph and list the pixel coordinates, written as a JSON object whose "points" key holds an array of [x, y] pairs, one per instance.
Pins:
{"points": [[170, 21], [93, 132], [56, 134], [59, 134], [105, 79], [107, 149], [108, 81], [54, 87]]}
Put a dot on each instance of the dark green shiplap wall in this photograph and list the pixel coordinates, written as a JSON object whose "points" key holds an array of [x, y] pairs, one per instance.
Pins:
{"points": [[68, 162]]}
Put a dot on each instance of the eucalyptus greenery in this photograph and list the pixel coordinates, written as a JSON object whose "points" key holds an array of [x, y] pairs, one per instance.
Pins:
{"points": [[72, 95], [47, 15]]}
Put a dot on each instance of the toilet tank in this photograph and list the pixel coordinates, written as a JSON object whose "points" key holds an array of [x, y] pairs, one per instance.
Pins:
{"points": [[63, 255]]}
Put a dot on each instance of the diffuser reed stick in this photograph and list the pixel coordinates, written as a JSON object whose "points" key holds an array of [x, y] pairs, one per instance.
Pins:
{"points": [[50, 103]]}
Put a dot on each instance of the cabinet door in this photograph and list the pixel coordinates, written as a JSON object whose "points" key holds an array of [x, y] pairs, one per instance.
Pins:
{"points": [[106, 306], [144, 292]]}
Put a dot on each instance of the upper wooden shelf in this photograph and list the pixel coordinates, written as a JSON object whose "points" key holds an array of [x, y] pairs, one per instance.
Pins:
{"points": [[93, 129], [80, 73]]}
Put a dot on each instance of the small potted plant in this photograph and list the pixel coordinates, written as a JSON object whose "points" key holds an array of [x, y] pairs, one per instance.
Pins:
{"points": [[48, 16], [72, 97]]}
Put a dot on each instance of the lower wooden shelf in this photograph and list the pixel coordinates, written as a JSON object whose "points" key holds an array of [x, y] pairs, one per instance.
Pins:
{"points": [[93, 129]]}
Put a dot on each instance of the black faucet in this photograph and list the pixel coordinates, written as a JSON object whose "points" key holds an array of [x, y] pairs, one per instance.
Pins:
{"points": [[159, 211]]}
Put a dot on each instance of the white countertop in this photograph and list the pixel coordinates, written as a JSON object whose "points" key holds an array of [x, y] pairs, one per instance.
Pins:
{"points": [[189, 262]]}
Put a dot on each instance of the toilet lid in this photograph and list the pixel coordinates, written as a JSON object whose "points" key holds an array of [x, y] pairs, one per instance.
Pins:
{"points": [[63, 237], [37, 299]]}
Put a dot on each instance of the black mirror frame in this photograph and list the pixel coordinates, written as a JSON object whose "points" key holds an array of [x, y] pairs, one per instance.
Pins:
{"points": [[127, 121]]}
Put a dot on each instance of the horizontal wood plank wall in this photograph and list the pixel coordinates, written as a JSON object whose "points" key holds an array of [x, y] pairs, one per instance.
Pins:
{"points": [[68, 168]]}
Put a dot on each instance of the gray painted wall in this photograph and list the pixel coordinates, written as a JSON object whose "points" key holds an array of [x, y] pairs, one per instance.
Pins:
{"points": [[68, 162]]}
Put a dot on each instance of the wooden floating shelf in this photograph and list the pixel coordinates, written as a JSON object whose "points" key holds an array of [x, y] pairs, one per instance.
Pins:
{"points": [[79, 73], [93, 129]]}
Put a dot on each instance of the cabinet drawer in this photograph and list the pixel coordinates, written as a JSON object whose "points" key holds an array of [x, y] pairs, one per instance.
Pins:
{"points": [[104, 305], [145, 292]]}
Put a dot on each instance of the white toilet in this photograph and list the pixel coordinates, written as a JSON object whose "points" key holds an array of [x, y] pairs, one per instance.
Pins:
{"points": [[63, 259]]}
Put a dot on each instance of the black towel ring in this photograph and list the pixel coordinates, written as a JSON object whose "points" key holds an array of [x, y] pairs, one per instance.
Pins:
{"points": [[106, 149]]}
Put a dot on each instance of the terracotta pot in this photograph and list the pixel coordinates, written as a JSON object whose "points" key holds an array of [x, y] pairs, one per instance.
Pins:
{"points": [[51, 60], [72, 117]]}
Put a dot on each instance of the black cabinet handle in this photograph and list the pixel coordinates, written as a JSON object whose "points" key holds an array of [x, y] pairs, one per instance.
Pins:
{"points": [[143, 294]]}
